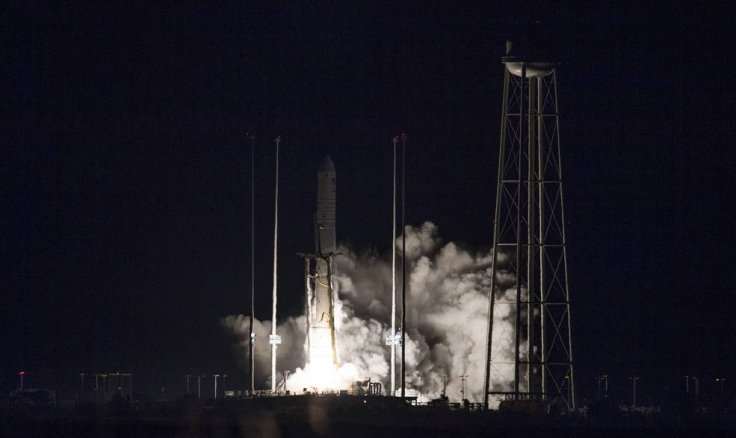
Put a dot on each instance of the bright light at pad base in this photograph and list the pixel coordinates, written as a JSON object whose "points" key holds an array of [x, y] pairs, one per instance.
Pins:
{"points": [[323, 377]]}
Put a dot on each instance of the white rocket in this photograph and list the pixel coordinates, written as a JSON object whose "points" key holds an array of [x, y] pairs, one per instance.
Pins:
{"points": [[321, 352]]}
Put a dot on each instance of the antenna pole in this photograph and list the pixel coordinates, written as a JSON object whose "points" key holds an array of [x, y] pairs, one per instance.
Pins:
{"points": [[251, 338], [403, 266], [274, 339], [393, 278]]}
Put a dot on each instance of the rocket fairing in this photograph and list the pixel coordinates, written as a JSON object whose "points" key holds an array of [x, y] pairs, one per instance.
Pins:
{"points": [[320, 292]]}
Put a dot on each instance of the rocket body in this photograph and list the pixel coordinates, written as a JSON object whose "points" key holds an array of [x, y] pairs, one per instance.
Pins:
{"points": [[320, 291], [324, 218]]}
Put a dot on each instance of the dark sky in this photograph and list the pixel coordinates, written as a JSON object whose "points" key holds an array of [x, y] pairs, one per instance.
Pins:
{"points": [[126, 171]]}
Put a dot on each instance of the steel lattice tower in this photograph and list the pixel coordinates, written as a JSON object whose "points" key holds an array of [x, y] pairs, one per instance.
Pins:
{"points": [[529, 351]]}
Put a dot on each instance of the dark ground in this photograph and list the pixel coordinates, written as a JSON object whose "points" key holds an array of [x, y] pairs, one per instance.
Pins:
{"points": [[349, 416]]}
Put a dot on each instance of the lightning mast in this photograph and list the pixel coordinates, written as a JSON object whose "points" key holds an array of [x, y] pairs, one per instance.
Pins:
{"points": [[529, 244], [275, 339], [393, 279], [403, 265], [251, 337]]}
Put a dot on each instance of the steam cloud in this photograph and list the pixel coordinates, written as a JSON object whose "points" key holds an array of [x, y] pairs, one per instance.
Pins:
{"points": [[447, 311]]}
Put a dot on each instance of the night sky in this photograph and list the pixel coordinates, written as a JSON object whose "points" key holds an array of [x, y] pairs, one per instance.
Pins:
{"points": [[126, 172]]}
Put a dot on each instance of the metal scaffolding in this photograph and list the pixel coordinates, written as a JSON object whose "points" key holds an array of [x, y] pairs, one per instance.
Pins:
{"points": [[529, 346]]}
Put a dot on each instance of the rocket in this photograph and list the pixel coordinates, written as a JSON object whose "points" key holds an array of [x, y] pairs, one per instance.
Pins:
{"points": [[321, 351], [324, 218]]}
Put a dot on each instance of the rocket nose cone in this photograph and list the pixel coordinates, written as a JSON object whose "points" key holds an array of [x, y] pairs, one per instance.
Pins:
{"points": [[327, 165]]}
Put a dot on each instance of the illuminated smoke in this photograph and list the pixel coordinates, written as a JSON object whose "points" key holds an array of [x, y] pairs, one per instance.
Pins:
{"points": [[447, 309], [289, 355]]}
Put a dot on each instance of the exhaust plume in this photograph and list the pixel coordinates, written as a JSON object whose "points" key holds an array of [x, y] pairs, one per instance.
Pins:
{"points": [[447, 319]]}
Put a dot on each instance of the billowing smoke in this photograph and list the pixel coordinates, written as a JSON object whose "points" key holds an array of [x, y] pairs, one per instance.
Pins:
{"points": [[289, 355], [447, 314]]}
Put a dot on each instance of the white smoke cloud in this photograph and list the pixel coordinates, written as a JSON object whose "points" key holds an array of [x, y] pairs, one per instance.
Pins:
{"points": [[447, 319], [289, 355]]}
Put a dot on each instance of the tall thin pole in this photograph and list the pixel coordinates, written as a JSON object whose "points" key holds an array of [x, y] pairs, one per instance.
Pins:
{"points": [[393, 279], [275, 276], [633, 398], [403, 266], [251, 341]]}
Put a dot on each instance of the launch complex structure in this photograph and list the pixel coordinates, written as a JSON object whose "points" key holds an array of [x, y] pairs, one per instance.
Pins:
{"points": [[529, 243], [529, 338]]}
